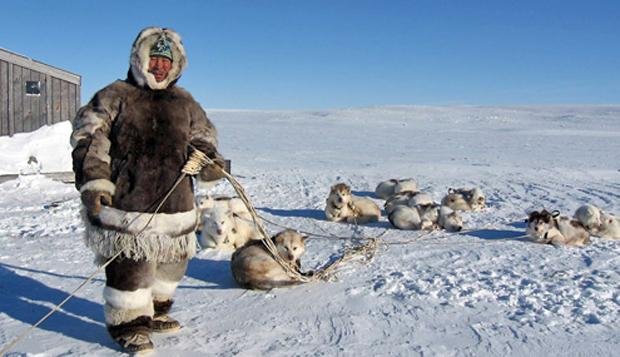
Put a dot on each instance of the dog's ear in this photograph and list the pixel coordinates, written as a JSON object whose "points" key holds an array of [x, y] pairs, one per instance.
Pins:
{"points": [[451, 190], [303, 238]]}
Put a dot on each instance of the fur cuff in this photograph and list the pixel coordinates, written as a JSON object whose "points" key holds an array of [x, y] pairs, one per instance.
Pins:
{"points": [[163, 290], [114, 316], [99, 185], [127, 300]]}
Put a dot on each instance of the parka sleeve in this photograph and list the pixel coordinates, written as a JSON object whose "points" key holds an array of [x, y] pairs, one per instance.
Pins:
{"points": [[203, 136], [91, 143]]}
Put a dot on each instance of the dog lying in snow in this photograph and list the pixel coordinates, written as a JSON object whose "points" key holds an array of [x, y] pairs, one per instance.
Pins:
{"points": [[610, 226], [226, 223], [407, 184], [551, 228], [465, 199], [425, 217], [385, 189], [598, 222], [342, 205], [590, 217], [408, 198], [253, 267]]}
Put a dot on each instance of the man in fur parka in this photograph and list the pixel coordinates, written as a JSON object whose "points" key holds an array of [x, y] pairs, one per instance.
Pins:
{"points": [[130, 143]]}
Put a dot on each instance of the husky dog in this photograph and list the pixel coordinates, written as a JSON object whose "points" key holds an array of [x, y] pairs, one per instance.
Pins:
{"points": [[385, 189], [450, 220], [590, 217], [429, 214], [227, 224], [464, 199], [342, 205], [405, 217], [407, 184], [420, 198], [426, 217], [253, 267], [610, 226], [399, 199], [550, 228]]}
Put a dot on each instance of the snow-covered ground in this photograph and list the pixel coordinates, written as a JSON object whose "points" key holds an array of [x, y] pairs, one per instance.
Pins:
{"points": [[486, 291]]}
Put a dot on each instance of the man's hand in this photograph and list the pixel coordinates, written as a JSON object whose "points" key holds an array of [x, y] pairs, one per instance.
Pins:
{"points": [[211, 172], [93, 200]]}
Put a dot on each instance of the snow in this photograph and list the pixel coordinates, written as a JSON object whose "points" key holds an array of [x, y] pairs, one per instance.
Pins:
{"points": [[485, 291]]}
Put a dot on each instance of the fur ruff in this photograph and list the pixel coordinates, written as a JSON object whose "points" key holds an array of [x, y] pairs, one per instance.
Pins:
{"points": [[163, 290], [140, 56]]}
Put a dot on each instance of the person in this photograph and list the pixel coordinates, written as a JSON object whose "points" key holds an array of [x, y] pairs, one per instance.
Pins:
{"points": [[130, 143]]}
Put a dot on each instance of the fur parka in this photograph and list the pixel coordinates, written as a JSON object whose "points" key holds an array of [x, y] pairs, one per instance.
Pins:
{"points": [[132, 140]]}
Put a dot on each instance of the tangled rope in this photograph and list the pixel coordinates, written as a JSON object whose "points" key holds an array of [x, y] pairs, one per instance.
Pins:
{"points": [[325, 273]]}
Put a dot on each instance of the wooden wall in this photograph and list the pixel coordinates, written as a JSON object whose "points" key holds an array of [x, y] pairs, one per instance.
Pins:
{"points": [[59, 97]]}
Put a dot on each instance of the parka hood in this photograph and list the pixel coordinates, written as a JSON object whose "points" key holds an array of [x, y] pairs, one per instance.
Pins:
{"points": [[140, 56]]}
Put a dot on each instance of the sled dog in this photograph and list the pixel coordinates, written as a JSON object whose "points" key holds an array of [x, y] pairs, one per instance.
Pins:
{"points": [[253, 267], [462, 199], [407, 184], [590, 217], [610, 226], [342, 205], [385, 189], [551, 228], [226, 223]]}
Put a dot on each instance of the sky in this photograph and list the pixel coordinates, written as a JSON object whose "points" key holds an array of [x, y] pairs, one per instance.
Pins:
{"points": [[338, 54]]}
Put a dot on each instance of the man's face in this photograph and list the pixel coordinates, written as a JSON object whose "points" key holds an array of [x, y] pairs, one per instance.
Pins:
{"points": [[159, 67]]}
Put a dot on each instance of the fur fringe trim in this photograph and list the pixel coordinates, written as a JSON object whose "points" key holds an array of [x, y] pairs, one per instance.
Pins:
{"points": [[148, 246], [114, 316]]}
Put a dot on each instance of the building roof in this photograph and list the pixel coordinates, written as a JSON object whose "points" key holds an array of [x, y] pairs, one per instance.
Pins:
{"points": [[28, 62]]}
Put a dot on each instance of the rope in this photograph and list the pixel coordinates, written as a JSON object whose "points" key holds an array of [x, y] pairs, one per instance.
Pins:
{"points": [[192, 167]]}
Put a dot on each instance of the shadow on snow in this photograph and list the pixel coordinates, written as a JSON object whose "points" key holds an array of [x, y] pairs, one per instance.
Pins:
{"points": [[28, 300]]}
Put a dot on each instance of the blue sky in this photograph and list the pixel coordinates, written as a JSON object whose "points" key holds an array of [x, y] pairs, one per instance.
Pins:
{"points": [[333, 54]]}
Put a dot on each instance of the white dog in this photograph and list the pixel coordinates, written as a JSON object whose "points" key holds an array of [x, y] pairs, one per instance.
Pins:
{"points": [[590, 217], [405, 217], [227, 224], [610, 226], [425, 217], [342, 205], [385, 189], [407, 184], [550, 228]]}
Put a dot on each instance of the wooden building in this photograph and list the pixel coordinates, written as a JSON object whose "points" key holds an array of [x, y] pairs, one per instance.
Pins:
{"points": [[33, 94]]}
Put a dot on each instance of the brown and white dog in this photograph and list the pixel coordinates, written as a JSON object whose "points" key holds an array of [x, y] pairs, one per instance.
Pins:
{"points": [[253, 267], [551, 228], [342, 205], [463, 199]]}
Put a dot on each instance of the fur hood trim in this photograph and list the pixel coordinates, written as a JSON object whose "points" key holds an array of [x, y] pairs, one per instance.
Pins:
{"points": [[139, 60]]}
